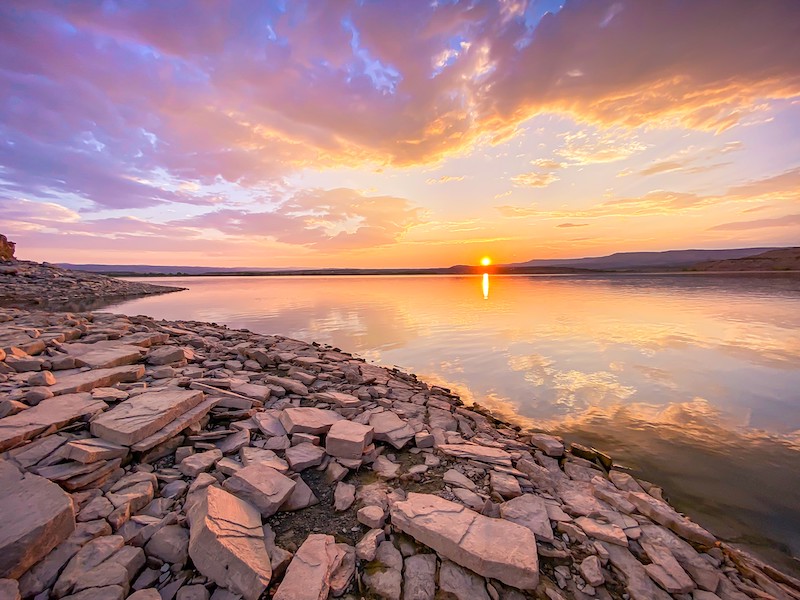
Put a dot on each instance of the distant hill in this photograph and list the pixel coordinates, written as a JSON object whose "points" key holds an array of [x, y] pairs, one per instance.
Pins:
{"points": [[160, 269], [646, 260], [783, 259]]}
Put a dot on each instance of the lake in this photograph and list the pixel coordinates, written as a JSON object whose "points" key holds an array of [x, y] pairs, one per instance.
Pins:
{"points": [[692, 381]]}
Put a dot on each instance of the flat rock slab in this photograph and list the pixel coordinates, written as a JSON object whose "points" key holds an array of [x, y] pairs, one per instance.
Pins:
{"points": [[135, 419], [390, 428], [93, 450], [470, 539], [493, 456], [226, 543], [663, 514], [104, 355], [173, 428], [53, 412], [348, 439], [290, 385], [35, 517], [529, 511], [308, 420], [86, 381], [262, 486], [309, 574]]}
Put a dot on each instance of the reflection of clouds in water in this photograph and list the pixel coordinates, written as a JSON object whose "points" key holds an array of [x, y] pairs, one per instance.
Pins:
{"points": [[576, 389]]}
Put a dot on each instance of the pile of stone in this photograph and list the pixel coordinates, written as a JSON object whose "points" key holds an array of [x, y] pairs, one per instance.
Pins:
{"points": [[6, 249], [28, 284], [170, 460]]}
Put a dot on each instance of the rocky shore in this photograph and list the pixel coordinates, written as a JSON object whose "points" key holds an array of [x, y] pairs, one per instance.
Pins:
{"points": [[180, 460], [29, 284]]}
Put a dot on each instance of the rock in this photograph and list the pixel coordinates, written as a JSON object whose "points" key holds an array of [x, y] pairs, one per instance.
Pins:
{"points": [[44, 573], [665, 515], [309, 574], [136, 496], [87, 558], [305, 455], [290, 385], [339, 399], [174, 427], [6, 249], [141, 416], [193, 465], [36, 516], [608, 532], [53, 412], [665, 570], [226, 543], [302, 496], [637, 582], [117, 570], [170, 544], [419, 580], [335, 472], [469, 539], [164, 355], [592, 571], [343, 574], [192, 592], [385, 468], [504, 484], [308, 420], [104, 355], [93, 449], [263, 487], [423, 439], [110, 592], [253, 456], [548, 444], [98, 508], [367, 546], [88, 380], [343, 496], [493, 456], [9, 589], [42, 378], [150, 594], [384, 578], [460, 583], [388, 427], [453, 477], [269, 423], [470, 499], [529, 511], [371, 516], [348, 439]]}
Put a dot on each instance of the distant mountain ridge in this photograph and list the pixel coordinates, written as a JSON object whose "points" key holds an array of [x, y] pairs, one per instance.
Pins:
{"points": [[693, 260], [643, 260]]}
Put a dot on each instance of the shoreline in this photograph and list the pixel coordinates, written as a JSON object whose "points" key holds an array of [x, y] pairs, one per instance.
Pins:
{"points": [[581, 514]]}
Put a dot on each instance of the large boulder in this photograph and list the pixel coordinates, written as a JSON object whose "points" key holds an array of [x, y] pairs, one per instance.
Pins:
{"points": [[470, 539], [143, 415], [226, 543], [6, 249], [36, 516]]}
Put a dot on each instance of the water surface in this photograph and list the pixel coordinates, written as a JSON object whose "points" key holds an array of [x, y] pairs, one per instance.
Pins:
{"points": [[692, 381]]}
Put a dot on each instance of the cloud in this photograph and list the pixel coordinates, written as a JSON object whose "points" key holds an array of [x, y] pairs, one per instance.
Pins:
{"points": [[445, 179], [278, 88], [534, 179], [572, 225], [684, 159], [587, 147], [785, 186], [785, 221], [337, 219]]}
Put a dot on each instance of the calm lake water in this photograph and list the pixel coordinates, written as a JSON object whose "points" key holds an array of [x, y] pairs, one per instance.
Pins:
{"points": [[692, 381]]}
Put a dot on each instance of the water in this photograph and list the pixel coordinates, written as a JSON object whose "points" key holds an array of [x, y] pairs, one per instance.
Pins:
{"points": [[692, 381]]}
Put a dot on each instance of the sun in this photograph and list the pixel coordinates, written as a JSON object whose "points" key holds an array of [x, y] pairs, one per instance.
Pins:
{"points": [[486, 261]]}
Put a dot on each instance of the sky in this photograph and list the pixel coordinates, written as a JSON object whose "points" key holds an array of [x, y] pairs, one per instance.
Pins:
{"points": [[364, 133]]}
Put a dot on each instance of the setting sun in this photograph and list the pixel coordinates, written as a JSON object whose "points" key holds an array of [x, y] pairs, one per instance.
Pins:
{"points": [[486, 261]]}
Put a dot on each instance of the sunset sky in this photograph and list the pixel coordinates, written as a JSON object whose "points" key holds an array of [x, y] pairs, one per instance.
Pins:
{"points": [[391, 134]]}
